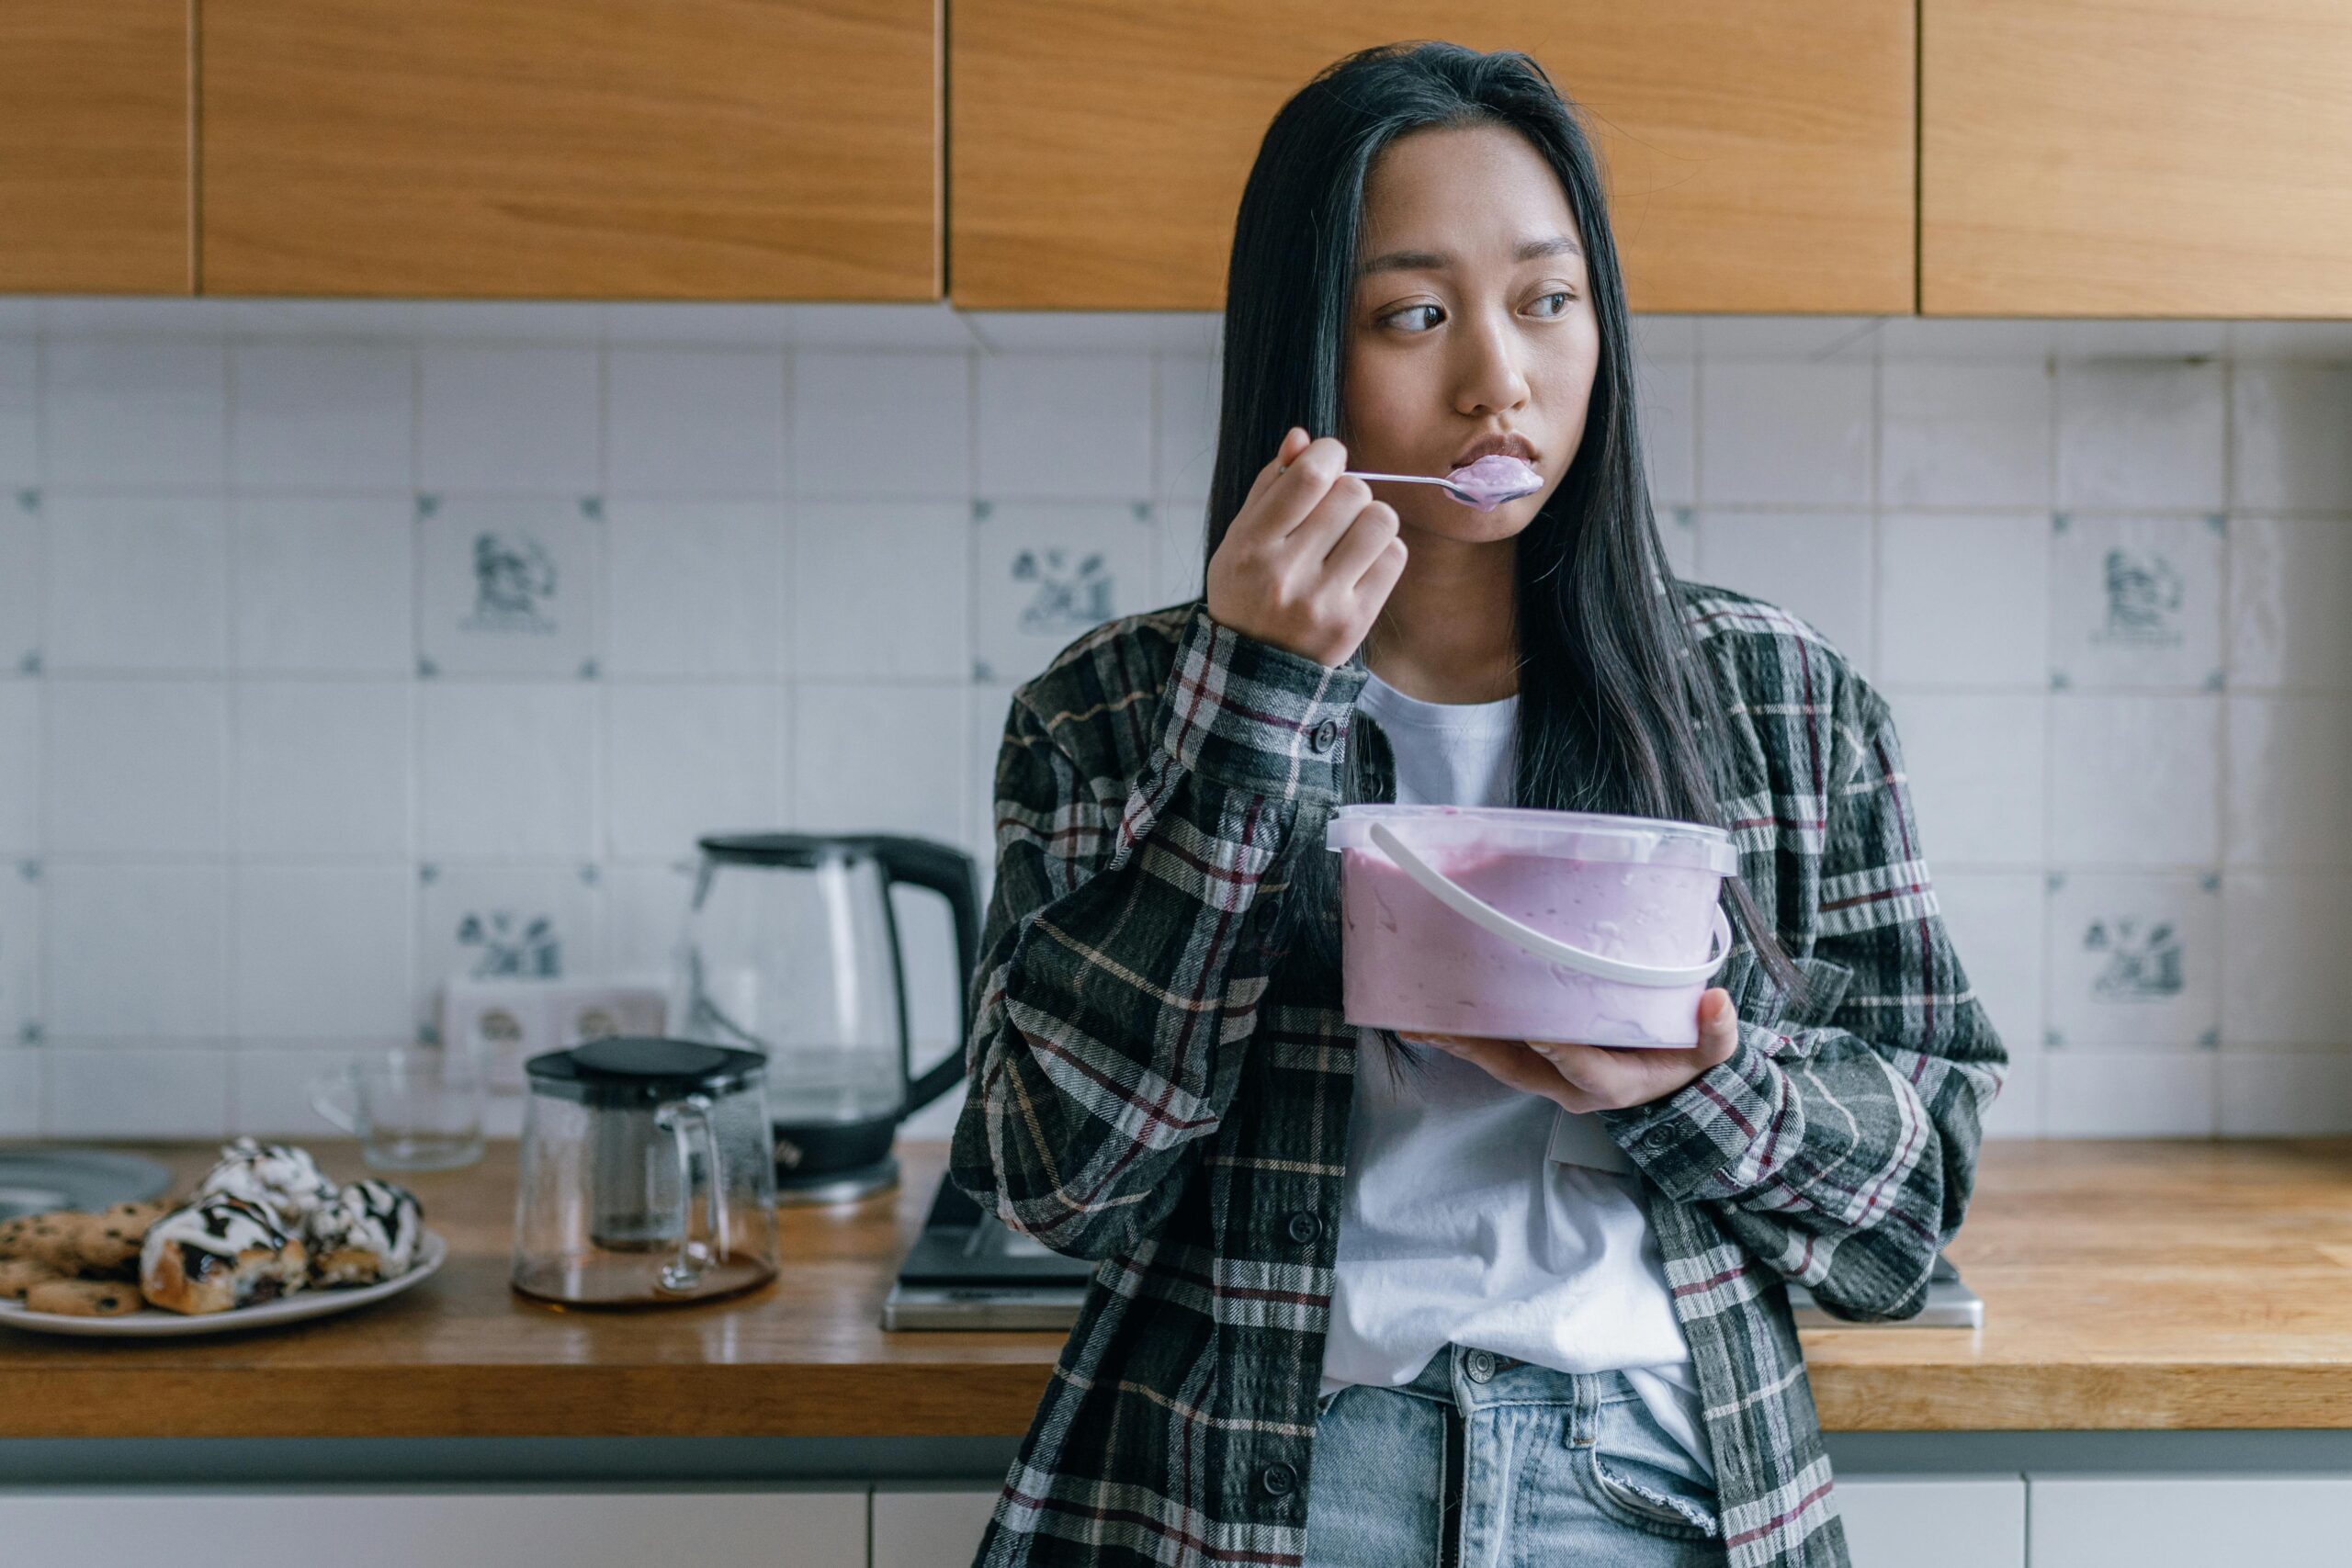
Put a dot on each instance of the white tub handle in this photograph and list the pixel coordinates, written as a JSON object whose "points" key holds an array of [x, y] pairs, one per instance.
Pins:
{"points": [[1487, 918]]}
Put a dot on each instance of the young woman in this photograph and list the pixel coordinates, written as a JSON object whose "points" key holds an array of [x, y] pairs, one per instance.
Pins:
{"points": [[1367, 1301]]}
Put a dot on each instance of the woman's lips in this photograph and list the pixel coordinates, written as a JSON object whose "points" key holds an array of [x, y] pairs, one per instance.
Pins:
{"points": [[1495, 479]]}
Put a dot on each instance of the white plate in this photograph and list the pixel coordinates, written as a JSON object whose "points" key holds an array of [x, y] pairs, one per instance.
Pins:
{"points": [[154, 1323]]}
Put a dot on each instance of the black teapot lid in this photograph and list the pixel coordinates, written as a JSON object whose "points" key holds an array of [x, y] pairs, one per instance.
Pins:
{"points": [[803, 851], [642, 1070], [799, 851]]}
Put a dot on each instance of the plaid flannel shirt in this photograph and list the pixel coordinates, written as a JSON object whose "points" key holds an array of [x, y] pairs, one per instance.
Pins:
{"points": [[1150, 1088]]}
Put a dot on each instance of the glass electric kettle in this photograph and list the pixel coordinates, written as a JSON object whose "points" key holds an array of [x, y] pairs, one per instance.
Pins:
{"points": [[791, 950], [646, 1178]]}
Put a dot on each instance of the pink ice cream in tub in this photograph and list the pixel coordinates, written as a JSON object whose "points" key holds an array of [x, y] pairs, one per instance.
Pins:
{"points": [[1529, 925]]}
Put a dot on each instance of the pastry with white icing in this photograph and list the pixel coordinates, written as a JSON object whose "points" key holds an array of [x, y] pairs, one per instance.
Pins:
{"points": [[220, 1252], [280, 1176], [367, 1231]]}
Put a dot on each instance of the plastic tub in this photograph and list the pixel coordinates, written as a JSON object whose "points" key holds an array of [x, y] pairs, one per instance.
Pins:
{"points": [[1529, 925]]}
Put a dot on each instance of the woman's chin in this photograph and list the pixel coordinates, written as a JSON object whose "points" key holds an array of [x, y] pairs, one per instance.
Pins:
{"points": [[1466, 525]]}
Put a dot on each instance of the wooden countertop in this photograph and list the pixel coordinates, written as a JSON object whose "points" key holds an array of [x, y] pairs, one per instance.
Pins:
{"points": [[2158, 1284]]}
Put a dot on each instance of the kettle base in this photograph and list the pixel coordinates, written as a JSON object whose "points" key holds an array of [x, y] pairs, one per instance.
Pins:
{"points": [[836, 1186]]}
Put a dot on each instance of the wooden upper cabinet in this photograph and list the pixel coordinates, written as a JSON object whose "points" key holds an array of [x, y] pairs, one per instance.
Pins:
{"points": [[1759, 154], [93, 147], [572, 149], [2136, 158]]}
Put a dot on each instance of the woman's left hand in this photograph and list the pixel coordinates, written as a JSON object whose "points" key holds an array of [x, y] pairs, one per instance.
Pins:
{"points": [[1599, 1077]]}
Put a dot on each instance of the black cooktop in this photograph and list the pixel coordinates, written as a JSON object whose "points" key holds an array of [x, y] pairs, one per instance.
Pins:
{"points": [[967, 1270]]}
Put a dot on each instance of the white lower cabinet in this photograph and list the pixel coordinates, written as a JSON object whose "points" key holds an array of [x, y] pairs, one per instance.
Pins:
{"points": [[2191, 1521], [1891, 1522], [401, 1528], [930, 1528], [1916, 1521]]}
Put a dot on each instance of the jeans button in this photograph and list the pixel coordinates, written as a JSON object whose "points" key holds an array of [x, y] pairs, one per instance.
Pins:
{"points": [[1278, 1480], [1305, 1227], [1480, 1365]]}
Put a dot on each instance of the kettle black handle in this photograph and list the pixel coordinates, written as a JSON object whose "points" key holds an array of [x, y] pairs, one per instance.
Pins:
{"points": [[955, 876]]}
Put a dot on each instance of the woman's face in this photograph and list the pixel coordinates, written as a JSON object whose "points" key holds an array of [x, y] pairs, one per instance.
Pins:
{"points": [[1473, 329]]}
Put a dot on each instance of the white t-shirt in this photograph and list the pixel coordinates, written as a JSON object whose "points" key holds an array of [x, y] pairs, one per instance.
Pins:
{"points": [[1480, 1213]]}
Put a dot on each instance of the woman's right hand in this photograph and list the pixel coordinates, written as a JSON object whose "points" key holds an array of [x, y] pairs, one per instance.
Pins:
{"points": [[1310, 558]]}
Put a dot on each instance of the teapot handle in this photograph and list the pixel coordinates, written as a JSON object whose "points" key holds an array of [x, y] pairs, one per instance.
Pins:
{"points": [[683, 1275], [953, 875]]}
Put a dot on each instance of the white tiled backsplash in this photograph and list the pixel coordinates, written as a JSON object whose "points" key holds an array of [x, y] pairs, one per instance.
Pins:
{"points": [[341, 642]]}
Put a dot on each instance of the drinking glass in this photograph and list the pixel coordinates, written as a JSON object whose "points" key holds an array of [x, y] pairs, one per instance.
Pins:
{"points": [[415, 1107]]}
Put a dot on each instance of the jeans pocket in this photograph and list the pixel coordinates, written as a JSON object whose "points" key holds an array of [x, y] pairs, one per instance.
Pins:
{"points": [[1631, 1493], [1636, 1474]]}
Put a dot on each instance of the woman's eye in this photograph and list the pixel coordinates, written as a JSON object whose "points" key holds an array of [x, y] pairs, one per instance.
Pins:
{"points": [[1421, 318]]}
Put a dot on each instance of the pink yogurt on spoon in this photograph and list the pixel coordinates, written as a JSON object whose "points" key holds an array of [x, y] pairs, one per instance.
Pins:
{"points": [[1496, 478]]}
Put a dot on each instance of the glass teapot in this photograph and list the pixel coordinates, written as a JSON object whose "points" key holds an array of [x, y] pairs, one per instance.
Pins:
{"points": [[645, 1174], [791, 950]]}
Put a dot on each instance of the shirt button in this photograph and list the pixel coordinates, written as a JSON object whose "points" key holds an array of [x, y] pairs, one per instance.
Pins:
{"points": [[1660, 1138], [1278, 1480], [1480, 1364], [1305, 1227], [1324, 736]]}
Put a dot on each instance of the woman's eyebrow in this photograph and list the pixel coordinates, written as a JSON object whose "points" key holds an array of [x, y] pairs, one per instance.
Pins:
{"points": [[1436, 261]]}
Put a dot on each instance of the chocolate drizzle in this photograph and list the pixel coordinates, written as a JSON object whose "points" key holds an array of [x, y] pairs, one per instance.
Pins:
{"points": [[220, 1224], [281, 1178], [370, 1231]]}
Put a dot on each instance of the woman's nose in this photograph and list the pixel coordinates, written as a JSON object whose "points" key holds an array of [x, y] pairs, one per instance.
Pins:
{"points": [[1492, 379]]}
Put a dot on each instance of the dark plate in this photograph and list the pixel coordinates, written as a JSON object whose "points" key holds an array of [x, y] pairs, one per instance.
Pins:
{"points": [[34, 1181]]}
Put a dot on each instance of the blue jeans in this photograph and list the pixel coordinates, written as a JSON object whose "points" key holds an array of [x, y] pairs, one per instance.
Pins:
{"points": [[1489, 1462]]}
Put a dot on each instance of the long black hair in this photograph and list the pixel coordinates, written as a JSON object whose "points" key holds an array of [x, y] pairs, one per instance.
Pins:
{"points": [[1617, 713]]}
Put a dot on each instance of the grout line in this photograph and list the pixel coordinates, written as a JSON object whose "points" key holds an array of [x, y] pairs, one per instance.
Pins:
{"points": [[418, 1009], [783, 654], [2049, 704], [1155, 547], [2225, 701], [44, 808], [1876, 539], [1700, 527], [979, 816], [602, 696], [233, 703], [44, 1108]]}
